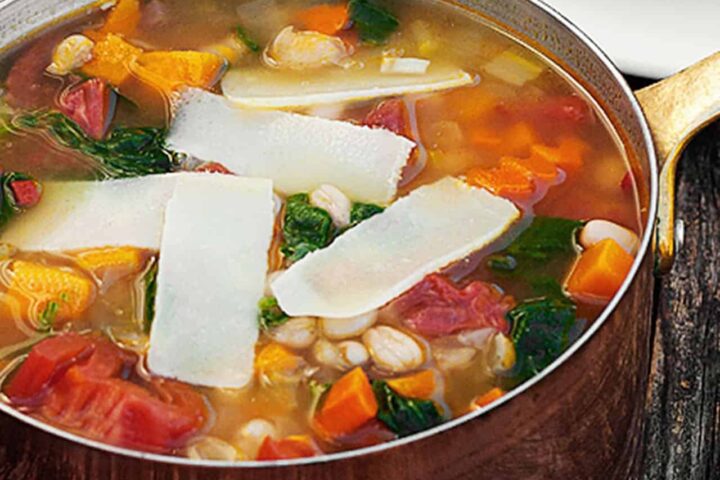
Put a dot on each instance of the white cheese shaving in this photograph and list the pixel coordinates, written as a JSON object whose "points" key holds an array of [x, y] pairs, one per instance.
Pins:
{"points": [[297, 152], [388, 254], [404, 66], [213, 264], [76, 215], [265, 88]]}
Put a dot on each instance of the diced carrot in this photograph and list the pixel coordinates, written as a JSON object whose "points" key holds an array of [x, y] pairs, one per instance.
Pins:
{"points": [[519, 139], [420, 385], [489, 397], [349, 404], [295, 446], [120, 260], [485, 138], [276, 363], [111, 61], [506, 180], [34, 285], [123, 19], [599, 272], [168, 71], [470, 104], [327, 19], [536, 168], [568, 155]]}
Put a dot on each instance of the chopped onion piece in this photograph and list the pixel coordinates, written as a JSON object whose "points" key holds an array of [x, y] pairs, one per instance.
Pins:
{"points": [[297, 152], [515, 67], [404, 66], [211, 276], [265, 88], [388, 254]]}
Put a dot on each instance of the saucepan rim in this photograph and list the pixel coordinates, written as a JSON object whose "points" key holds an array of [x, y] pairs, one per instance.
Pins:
{"points": [[643, 251]]}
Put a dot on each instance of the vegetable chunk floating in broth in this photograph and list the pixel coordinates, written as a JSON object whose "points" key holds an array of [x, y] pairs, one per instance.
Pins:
{"points": [[236, 232]]}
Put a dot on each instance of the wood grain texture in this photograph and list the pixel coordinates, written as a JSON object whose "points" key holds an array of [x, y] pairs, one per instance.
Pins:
{"points": [[682, 434]]}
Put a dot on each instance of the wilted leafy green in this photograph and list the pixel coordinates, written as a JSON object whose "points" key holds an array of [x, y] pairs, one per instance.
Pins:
{"points": [[127, 152], [150, 282], [305, 229], [270, 315], [363, 211], [243, 36], [374, 23], [47, 317], [404, 416], [541, 332]]}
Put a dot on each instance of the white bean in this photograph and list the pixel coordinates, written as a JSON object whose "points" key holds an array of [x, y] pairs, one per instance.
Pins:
{"points": [[297, 333], [393, 350], [250, 436], [354, 353], [71, 54], [501, 354], [449, 358], [598, 230], [333, 201], [344, 328], [328, 354], [211, 448], [299, 50]]}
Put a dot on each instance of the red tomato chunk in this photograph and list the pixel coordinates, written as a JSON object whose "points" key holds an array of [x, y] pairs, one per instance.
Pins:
{"points": [[78, 383], [391, 115], [437, 307], [26, 192]]}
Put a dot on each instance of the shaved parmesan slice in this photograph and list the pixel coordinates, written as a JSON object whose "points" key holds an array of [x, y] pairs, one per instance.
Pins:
{"points": [[213, 264], [404, 66], [297, 152], [388, 254], [265, 88], [75, 215]]}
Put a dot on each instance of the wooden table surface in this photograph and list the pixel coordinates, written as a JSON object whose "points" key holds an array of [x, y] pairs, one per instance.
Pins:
{"points": [[682, 434]]}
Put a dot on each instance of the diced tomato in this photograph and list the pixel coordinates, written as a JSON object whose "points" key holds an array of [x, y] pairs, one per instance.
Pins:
{"points": [[27, 84], [107, 361], [437, 307], [91, 105], [124, 414], [569, 108], [627, 184], [287, 448], [391, 115], [27, 193], [47, 362], [213, 167]]}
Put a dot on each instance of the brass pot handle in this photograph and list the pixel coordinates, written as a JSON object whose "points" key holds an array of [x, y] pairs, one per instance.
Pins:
{"points": [[677, 108]]}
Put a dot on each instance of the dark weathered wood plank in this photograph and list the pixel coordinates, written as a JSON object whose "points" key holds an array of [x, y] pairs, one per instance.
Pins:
{"points": [[682, 432]]}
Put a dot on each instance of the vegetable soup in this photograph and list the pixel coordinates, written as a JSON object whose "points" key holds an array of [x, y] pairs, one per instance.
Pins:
{"points": [[261, 230]]}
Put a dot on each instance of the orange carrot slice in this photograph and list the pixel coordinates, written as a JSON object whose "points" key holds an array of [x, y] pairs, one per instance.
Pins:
{"points": [[420, 385], [536, 168], [111, 60], [168, 71], [568, 155], [349, 404], [505, 181], [276, 363], [489, 397], [123, 19], [327, 19], [295, 446], [519, 139], [34, 286], [599, 272]]}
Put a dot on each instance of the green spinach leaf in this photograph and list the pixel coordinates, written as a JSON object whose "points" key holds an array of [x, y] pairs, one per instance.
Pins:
{"points": [[363, 211], [243, 36], [127, 152], [373, 22], [305, 229], [541, 332], [404, 416], [150, 281], [270, 314]]}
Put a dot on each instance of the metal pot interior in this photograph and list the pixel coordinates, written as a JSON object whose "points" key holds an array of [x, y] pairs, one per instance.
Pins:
{"points": [[530, 21]]}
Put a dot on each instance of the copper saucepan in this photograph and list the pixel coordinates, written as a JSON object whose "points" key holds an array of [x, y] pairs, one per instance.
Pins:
{"points": [[582, 417]]}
